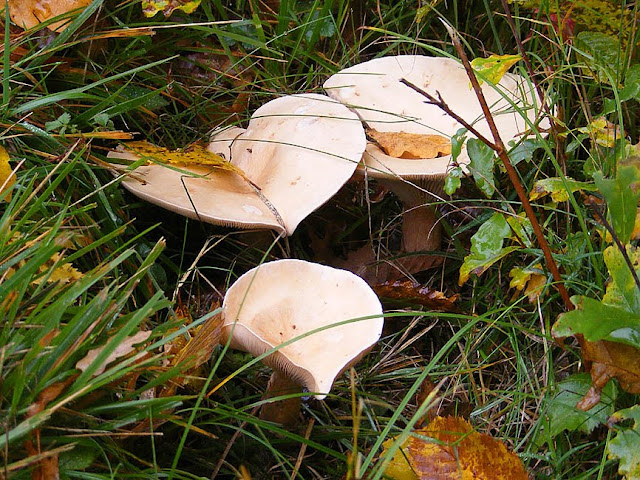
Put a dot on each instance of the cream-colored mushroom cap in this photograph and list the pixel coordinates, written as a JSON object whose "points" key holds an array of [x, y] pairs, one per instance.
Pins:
{"points": [[298, 150], [374, 91], [281, 300]]}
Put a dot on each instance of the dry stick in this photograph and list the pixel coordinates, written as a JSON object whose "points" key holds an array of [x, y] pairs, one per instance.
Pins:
{"points": [[501, 151]]}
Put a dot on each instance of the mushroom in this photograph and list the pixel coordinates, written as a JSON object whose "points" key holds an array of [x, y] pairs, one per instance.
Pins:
{"points": [[374, 91], [297, 152], [316, 319]]}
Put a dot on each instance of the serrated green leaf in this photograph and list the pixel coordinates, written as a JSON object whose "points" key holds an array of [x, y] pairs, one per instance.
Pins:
{"points": [[562, 413], [482, 160], [558, 189], [631, 84], [486, 247], [624, 446], [601, 54], [622, 291], [597, 321], [522, 228], [452, 181], [524, 150], [621, 199]]}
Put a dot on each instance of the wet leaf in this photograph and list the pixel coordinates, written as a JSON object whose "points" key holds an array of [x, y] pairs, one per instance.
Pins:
{"points": [[199, 349], [524, 150], [482, 159], [151, 7], [194, 155], [622, 199], [411, 145], [411, 292], [29, 13], [486, 247], [624, 446], [558, 189], [453, 181], [493, 68], [531, 280], [7, 178], [600, 53], [125, 348], [602, 132], [613, 360], [449, 448], [563, 414]]}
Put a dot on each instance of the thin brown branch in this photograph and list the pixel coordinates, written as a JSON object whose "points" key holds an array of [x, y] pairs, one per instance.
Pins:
{"points": [[501, 151]]}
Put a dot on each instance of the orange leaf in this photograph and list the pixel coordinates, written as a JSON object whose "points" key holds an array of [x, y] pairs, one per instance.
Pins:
{"points": [[411, 292], [453, 450], [29, 13], [411, 145]]}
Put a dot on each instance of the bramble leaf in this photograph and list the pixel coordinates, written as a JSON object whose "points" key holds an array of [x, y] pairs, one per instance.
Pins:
{"points": [[624, 446], [622, 200], [482, 160], [486, 247]]}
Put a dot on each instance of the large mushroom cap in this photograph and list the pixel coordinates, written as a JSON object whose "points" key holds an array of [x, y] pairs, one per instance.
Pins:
{"points": [[281, 300], [298, 150], [374, 91]]}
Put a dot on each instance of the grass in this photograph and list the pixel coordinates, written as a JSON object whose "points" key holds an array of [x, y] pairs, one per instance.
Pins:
{"points": [[175, 79]]}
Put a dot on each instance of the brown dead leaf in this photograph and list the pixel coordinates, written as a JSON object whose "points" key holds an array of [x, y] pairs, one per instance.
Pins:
{"points": [[411, 145], [414, 293], [453, 450], [125, 348], [610, 360], [29, 13]]}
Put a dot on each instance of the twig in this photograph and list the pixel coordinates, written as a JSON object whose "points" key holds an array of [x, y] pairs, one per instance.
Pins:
{"points": [[501, 151]]}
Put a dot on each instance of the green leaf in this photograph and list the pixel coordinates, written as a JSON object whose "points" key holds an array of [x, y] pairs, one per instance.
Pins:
{"points": [[522, 228], [621, 199], [601, 54], [597, 321], [631, 84], [558, 188], [562, 413], [486, 247], [523, 150], [481, 165], [494, 67], [452, 180], [624, 446], [622, 291]]}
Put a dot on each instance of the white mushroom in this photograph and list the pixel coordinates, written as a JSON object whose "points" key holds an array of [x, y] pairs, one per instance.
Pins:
{"points": [[374, 91], [330, 317], [298, 151]]}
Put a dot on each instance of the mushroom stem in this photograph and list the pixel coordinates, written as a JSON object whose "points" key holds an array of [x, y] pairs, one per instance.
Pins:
{"points": [[285, 412]]}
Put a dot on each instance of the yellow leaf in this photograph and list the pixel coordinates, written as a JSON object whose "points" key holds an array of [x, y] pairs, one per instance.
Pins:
{"points": [[603, 132], [63, 272], [151, 7], [194, 155], [532, 280], [411, 145], [7, 178], [453, 450], [494, 67], [29, 13]]}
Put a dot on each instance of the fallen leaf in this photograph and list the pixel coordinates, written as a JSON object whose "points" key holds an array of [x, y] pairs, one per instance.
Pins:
{"points": [[494, 67], [411, 145], [7, 177], [453, 450], [195, 154], [603, 132], [411, 292], [151, 7], [63, 272], [29, 13], [532, 280], [624, 446], [558, 189], [613, 360], [125, 348]]}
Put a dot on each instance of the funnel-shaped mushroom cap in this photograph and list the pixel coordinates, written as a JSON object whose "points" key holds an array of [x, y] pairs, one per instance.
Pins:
{"points": [[298, 150], [374, 91], [279, 301]]}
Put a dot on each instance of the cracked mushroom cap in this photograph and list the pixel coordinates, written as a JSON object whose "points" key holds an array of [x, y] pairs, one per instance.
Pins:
{"points": [[281, 300], [298, 150], [373, 90]]}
